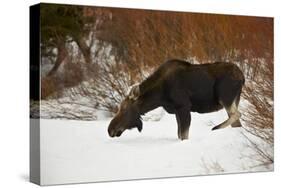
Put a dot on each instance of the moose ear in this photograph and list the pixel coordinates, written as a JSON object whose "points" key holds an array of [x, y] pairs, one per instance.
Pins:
{"points": [[135, 92], [139, 125]]}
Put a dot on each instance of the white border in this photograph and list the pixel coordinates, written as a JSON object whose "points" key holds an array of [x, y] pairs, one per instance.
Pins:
{"points": [[14, 90]]}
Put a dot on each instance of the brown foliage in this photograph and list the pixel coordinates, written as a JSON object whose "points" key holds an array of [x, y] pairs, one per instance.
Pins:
{"points": [[52, 85], [48, 87], [151, 37]]}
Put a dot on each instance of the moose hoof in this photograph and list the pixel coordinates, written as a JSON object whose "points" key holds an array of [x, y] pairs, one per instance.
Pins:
{"points": [[236, 124], [182, 138], [215, 128]]}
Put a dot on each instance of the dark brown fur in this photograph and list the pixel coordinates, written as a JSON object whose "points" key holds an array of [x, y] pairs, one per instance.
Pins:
{"points": [[180, 88]]}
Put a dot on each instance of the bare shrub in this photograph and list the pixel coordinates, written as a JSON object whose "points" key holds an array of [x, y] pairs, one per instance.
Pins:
{"points": [[110, 86], [211, 167], [71, 75], [65, 109], [258, 114], [48, 86]]}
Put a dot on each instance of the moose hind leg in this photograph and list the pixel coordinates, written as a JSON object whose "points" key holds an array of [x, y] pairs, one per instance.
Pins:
{"points": [[183, 119], [236, 123], [233, 119]]}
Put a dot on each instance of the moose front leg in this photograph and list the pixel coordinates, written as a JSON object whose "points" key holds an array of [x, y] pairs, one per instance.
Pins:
{"points": [[183, 119]]}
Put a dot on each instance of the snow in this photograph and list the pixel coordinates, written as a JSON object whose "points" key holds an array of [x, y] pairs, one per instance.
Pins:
{"points": [[81, 151]]}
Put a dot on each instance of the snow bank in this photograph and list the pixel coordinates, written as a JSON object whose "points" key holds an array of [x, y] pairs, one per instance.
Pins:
{"points": [[82, 151]]}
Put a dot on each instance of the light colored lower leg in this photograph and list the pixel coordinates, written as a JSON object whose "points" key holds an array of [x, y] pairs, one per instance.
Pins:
{"points": [[179, 132], [179, 126], [234, 115], [184, 134]]}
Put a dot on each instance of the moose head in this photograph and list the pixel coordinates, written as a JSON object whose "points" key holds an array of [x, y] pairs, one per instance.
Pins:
{"points": [[128, 116]]}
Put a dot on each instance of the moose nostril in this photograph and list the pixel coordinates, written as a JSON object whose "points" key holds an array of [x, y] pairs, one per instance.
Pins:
{"points": [[111, 133], [119, 133]]}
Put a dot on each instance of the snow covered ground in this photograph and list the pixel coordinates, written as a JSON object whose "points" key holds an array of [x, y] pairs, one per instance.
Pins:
{"points": [[81, 151]]}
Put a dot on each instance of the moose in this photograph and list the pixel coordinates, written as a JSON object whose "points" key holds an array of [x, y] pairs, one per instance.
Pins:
{"points": [[180, 88]]}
